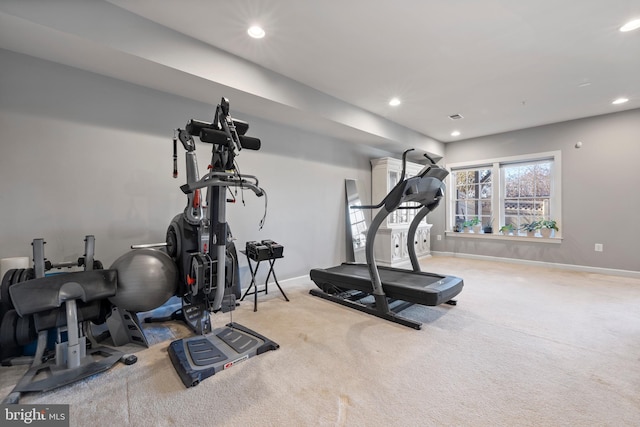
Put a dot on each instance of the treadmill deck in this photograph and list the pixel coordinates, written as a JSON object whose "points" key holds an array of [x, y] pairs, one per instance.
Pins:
{"points": [[406, 285]]}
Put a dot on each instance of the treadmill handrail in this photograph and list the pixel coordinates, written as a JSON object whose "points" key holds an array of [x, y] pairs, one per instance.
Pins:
{"points": [[379, 205], [411, 236], [374, 274], [403, 190]]}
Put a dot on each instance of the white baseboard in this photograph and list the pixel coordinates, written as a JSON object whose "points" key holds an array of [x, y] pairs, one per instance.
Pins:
{"points": [[295, 281], [572, 267], [292, 281]]}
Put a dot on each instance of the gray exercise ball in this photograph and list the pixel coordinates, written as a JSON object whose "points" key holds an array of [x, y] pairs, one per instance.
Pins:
{"points": [[147, 278]]}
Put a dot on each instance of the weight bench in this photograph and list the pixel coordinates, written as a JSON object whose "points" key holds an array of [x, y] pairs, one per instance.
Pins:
{"points": [[65, 301]]}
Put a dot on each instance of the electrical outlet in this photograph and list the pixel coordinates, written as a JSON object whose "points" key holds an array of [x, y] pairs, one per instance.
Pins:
{"points": [[438, 237], [599, 247]]}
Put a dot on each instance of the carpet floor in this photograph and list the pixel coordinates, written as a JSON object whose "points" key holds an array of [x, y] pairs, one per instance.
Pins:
{"points": [[525, 346]]}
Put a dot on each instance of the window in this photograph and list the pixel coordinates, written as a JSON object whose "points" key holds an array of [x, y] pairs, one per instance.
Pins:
{"points": [[473, 189], [527, 192], [511, 190]]}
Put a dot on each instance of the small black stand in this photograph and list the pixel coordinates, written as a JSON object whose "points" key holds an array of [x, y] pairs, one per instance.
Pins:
{"points": [[272, 260]]}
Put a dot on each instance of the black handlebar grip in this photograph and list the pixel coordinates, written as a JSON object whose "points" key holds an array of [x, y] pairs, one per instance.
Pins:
{"points": [[250, 143], [241, 126], [213, 136], [195, 127]]}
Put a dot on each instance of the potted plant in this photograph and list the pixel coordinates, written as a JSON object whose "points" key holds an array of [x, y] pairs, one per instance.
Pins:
{"points": [[531, 227], [488, 227], [507, 229], [475, 224], [548, 226]]}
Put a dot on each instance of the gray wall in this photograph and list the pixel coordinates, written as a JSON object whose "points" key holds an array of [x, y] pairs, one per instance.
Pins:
{"points": [[85, 154], [599, 191]]}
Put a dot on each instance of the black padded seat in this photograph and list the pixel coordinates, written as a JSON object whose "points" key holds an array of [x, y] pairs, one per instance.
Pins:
{"points": [[50, 292]]}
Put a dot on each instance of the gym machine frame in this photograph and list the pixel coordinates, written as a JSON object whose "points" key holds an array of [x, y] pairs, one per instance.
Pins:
{"points": [[66, 302], [200, 242]]}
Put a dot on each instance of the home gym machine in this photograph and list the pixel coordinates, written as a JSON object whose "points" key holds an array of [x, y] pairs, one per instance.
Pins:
{"points": [[385, 291], [64, 303], [200, 242]]}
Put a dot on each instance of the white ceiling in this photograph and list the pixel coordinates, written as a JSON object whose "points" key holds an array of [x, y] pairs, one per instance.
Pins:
{"points": [[333, 65]]}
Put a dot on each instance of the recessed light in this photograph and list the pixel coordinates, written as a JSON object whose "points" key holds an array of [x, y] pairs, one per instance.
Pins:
{"points": [[394, 102], [455, 133], [256, 32], [631, 25], [620, 101]]}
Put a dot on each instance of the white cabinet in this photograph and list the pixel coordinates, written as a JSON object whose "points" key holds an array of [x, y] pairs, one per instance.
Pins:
{"points": [[390, 246], [423, 240]]}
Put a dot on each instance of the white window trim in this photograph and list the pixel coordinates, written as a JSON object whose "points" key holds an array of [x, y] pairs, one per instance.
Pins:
{"points": [[497, 197]]}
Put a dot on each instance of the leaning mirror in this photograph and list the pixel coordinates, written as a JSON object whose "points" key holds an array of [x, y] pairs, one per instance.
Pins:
{"points": [[356, 223]]}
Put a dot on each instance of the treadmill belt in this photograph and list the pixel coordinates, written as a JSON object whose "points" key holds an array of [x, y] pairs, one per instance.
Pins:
{"points": [[416, 287]]}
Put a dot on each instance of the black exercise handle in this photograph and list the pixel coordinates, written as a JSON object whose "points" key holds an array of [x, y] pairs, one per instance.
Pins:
{"points": [[429, 158], [404, 164], [241, 126], [175, 157], [250, 143], [195, 127], [213, 136]]}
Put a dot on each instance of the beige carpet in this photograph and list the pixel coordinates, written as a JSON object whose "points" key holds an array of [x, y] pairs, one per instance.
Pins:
{"points": [[526, 346]]}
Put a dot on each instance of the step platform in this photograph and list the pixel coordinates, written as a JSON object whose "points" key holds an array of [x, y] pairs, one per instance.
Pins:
{"points": [[197, 358]]}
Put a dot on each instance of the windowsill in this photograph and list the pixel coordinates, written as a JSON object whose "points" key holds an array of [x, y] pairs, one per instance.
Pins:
{"points": [[503, 237]]}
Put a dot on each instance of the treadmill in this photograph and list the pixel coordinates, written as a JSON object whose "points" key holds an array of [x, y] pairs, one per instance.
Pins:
{"points": [[385, 291]]}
